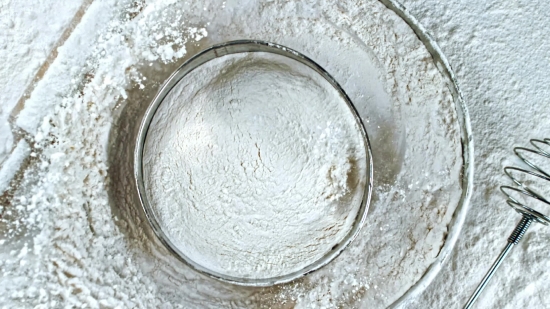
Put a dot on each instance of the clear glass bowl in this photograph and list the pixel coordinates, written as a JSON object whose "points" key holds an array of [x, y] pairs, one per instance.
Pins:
{"points": [[221, 50]]}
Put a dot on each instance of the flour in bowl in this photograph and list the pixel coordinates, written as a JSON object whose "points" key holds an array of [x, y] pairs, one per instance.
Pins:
{"points": [[255, 166], [86, 246]]}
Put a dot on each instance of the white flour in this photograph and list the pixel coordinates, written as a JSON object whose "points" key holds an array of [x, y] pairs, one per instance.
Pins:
{"points": [[61, 245], [501, 62], [255, 166]]}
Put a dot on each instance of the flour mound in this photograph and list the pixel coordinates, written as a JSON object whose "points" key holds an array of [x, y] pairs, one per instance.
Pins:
{"points": [[255, 166]]}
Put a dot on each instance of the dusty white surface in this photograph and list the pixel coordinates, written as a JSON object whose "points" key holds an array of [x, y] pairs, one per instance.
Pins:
{"points": [[27, 40], [500, 54]]}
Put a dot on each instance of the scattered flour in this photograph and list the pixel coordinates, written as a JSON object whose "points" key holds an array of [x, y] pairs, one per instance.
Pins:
{"points": [[255, 166], [27, 42], [501, 61], [61, 246], [13, 164]]}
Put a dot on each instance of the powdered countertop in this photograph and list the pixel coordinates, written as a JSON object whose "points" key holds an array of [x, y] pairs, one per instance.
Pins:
{"points": [[500, 54]]}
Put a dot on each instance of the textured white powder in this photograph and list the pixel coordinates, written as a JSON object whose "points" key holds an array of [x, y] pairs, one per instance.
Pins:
{"points": [[62, 246], [255, 165]]}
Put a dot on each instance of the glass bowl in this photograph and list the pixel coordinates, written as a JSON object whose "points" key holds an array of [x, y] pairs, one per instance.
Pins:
{"points": [[221, 50]]}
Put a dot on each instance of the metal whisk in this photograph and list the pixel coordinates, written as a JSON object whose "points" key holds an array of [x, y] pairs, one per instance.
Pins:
{"points": [[529, 215]]}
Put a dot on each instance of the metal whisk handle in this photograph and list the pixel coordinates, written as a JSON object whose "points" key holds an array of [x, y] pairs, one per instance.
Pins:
{"points": [[514, 239], [520, 230]]}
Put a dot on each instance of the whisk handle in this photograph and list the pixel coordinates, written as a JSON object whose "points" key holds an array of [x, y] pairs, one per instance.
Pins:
{"points": [[520, 230], [514, 239]]}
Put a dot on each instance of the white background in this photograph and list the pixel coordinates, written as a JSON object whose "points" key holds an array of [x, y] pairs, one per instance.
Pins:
{"points": [[500, 51]]}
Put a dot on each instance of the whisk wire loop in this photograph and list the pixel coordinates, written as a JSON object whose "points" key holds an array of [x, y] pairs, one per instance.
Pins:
{"points": [[545, 141], [522, 187]]}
